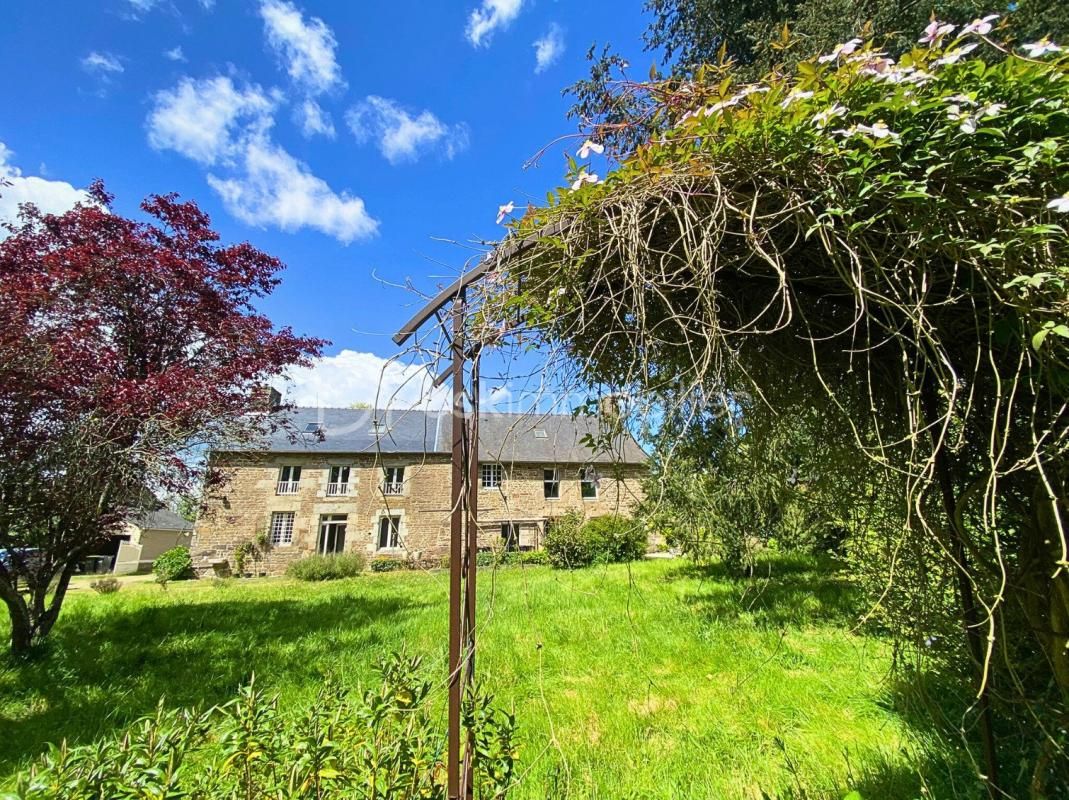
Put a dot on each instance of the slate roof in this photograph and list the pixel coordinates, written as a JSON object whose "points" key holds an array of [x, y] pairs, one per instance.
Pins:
{"points": [[162, 519], [508, 438]]}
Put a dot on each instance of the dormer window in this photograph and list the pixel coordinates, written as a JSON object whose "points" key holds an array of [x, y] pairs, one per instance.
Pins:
{"points": [[540, 434], [313, 427]]}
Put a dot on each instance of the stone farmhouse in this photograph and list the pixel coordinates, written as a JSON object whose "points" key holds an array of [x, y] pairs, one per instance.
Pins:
{"points": [[378, 482]]}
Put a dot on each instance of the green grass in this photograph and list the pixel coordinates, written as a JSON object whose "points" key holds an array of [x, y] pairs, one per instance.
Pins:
{"points": [[654, 681]]}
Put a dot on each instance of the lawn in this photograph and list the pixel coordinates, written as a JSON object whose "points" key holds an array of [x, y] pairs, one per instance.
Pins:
{"points": [[656, 680]]}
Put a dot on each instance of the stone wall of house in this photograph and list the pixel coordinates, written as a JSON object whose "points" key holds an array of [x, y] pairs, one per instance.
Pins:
{"points": [[242, 510]]}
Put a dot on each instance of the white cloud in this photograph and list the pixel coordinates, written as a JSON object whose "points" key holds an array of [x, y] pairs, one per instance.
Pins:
{"points": [[356, 377], [218, 124], [52, 197], [102, 64], [204, 119], [175, 54], [141, 6], [314, 120], [276, 189], [549, 48], [490, 16], [402, 136], [306, 49]]}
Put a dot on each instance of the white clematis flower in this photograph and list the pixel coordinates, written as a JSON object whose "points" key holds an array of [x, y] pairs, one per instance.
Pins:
{"points": [[980, 26], [935, 31], [822, 118], [794, 95], [1060, 204], [584, 177], [1041, 48], [590, 146], [844, 49], [505, 210], [954, 56], [878, 130]]}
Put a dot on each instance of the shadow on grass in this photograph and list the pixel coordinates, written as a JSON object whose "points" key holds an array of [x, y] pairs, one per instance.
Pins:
{"points": [[193, 654], [783, 590]]}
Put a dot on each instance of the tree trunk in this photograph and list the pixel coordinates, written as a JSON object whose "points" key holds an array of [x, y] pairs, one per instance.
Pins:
{"points": [[51, 614], [969, 611], [1046, 583], [19, 614], [34, 619]]}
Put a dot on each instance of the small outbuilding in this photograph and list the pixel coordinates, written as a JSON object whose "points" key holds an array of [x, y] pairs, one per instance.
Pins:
{"points": [[149, 535]]}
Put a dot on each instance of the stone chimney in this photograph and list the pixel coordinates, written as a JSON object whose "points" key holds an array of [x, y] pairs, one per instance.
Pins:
{"points": [[610, 413], [266, 399]]}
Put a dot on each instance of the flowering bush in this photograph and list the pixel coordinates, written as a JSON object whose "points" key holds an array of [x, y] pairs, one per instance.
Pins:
{"points": [[873, 249]]}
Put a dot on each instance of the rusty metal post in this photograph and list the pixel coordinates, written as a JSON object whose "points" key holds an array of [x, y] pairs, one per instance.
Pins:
{"points": [[471, 560], [456, 553]]}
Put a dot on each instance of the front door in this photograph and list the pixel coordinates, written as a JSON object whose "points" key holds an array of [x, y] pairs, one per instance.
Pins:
{"points": [[331, 534], [510, 535]]}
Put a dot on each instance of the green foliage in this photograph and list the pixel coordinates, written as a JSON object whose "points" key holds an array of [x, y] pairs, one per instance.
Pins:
{"points": [[533, 558], [175, 564], [244, 552], [388, 564], [327, 567], [573, 543], [106, 585], [506, 558], [724, 489], [880, 243], [760, 37], [590, 661], [386, 743]]}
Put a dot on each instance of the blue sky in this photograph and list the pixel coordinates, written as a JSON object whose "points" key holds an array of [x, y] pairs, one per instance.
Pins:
{"points": [[339, 136]]}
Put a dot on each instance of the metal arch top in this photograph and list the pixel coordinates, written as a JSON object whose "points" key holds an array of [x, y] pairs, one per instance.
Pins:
{"points": [[456, 288]]}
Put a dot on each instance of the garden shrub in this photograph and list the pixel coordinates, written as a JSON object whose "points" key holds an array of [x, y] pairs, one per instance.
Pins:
{"points": [[388, 564], [174, 565], [387, 742], [529, 557], [572, 543], [615, 539], [106, 585], [505, 558], [327, 567]]}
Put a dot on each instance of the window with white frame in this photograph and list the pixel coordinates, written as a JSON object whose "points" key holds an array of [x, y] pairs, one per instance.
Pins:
{"points": [[389, 537], [490, 476], [550, 484], [393, 480], [588, 483], [289, 480], [338, 483], [282, 527], [332, 534]]}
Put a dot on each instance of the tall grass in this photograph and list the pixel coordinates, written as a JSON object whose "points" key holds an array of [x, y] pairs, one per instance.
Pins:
{"points": [[651, 680]]}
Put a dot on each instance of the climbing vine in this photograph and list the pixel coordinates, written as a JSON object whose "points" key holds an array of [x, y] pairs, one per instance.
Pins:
{"points": [[880, 242]]}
